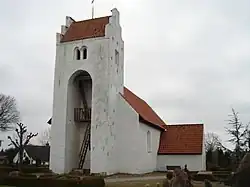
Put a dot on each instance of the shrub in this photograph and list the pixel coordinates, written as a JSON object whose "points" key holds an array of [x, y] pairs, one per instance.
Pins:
{"points": [[222, 176], [222, 172], [25, 169], [202, 177], [52, 182]]}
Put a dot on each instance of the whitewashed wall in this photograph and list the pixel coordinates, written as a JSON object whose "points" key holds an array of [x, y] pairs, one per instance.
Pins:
{"points": [[148, 160], [131, 144], [127, 144], [204, 160], [107, 81], [194, 162]]}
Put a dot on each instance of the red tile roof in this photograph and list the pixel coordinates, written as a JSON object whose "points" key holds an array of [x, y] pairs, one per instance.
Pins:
{"points": [[86, 29], [182, 139], [147, 114]]}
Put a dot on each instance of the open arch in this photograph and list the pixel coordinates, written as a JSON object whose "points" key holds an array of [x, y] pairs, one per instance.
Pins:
{"points": [[79, 107]]}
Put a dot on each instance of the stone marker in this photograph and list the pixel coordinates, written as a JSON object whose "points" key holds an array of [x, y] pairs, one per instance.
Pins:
{"points": [[207, 183], [241, 177]]}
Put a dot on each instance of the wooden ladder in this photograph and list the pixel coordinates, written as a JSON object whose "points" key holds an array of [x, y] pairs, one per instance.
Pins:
{"points": [[86, 140], [84, 147]]}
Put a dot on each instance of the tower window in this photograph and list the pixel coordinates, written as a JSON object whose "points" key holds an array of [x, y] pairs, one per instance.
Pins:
{"points": [[77, 54], [85, 52]]}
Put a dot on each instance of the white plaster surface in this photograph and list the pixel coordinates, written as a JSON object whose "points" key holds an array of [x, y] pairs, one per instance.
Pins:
{"points": [[118, 139], [194, 162], [131, 144], [106, 72]]}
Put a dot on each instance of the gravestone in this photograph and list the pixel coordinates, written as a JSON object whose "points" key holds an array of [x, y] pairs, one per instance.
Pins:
{"points": [[180, 179], [207, 183], [241, 177]]}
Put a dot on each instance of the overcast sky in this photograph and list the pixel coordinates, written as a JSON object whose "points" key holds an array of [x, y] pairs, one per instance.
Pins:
{"points": [[190, 60]]}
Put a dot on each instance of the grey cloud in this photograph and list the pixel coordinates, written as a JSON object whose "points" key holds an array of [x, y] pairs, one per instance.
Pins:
{"points": [[188, 59]]}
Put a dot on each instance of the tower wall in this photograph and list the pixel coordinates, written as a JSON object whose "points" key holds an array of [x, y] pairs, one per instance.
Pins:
{"points": [[105, 66]]}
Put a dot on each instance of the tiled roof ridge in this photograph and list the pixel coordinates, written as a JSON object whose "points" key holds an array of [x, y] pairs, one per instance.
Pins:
{"points": [[184, 124], [92, 19]]}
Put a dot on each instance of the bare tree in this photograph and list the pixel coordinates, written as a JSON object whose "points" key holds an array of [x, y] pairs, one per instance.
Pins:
{"points": [[9, 114], [21, 141], [44, 137], [213, 144], [247, 137], [237, 131], [212, 141]]}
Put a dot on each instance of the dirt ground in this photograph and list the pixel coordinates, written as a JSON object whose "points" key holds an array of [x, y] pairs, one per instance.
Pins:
{"points": [[124, 175], [152, 183], [128, 180]]}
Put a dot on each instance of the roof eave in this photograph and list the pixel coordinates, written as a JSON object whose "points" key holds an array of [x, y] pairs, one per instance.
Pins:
{"points": [[198, 153], [151, 124], [83, 38], [49, 121]]}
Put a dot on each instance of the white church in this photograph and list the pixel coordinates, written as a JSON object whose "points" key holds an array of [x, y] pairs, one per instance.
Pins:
{"points": [[100, 125]]}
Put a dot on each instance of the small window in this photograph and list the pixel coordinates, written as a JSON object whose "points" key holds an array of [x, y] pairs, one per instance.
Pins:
{"points": [[77, 54], [85, 52], [149, 142]]}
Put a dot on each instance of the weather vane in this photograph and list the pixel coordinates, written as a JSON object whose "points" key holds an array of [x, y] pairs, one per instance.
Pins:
{"points": [[92, 2]]}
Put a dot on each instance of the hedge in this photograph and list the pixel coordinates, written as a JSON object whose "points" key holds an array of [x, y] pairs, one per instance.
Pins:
{"points": [[202, 177], [217, 177], [25, 169], [52, 182], [222, 172]]}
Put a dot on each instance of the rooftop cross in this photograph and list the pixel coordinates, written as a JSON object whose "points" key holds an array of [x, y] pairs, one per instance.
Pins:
{"points": [[92, 2]]}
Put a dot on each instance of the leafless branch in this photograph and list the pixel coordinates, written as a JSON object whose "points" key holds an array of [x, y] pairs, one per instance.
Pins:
{"points": [[31, 135], [22, 140], [15, 143], [212, 141], [238, 131]]}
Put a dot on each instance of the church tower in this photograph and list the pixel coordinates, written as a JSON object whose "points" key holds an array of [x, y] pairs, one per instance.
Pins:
{"points": [[87, 79]]}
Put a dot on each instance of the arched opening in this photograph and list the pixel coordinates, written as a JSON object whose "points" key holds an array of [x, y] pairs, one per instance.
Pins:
{"points": [[85, 52], [78, 128], [77, 54], [149, 148]]}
